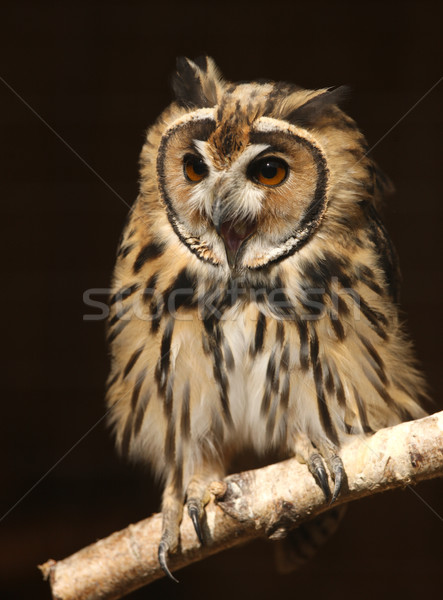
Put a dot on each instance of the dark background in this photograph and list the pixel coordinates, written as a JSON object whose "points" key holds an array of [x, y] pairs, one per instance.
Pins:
{"points": [[97, 73]]}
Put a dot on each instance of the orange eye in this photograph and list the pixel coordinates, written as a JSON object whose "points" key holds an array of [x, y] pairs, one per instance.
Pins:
{"points": [[194, 168], [269, 171]]}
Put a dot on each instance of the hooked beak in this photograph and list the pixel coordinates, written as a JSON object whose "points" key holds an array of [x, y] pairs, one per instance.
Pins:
{"points": [[233, 232]]}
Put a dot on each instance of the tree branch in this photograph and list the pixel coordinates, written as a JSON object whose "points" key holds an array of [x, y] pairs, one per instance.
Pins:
{"points": [[263, 503]]}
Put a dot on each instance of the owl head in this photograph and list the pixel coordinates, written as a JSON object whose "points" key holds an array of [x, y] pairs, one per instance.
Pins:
{"points": [[250, 172]]}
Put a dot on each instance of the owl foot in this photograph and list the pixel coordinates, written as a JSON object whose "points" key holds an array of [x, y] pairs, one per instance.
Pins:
{"points": [[197, 496], [335, 467], [195, 511], [315, 458], [317, 468]]}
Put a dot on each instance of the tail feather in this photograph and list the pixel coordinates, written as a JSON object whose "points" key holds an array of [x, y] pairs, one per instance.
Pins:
{"points": [[302, 543]]}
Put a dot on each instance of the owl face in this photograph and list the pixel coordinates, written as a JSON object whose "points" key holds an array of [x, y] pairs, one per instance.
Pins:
{"points": [[244, 183]]}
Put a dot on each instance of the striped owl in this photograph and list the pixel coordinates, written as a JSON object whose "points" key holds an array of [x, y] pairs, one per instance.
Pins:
{"points": [[254, 301]]}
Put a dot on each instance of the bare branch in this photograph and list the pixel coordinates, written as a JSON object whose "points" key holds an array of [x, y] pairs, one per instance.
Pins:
{"points": [[261, 503]]}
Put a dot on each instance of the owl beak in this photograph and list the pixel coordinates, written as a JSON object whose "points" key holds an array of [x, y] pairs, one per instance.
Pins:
{"points": [[234, 233]]}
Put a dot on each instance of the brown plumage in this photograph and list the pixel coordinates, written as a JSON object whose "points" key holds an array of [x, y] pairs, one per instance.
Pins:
{"points": [[254, 295]]}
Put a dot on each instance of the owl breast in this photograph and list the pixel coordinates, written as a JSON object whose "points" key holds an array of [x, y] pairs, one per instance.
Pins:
{"points": [[247, 376]]}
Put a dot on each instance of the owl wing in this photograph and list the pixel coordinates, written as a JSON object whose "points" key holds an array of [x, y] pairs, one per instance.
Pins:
{"points": [[385, 251]]}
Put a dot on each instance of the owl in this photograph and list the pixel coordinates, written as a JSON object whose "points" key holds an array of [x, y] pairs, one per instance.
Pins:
{"points": [[254, 301]]}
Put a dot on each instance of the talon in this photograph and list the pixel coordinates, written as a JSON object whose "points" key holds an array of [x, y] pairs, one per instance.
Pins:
{"points": [[338, 472], [195, 518], [162, 552], [317, 468]]}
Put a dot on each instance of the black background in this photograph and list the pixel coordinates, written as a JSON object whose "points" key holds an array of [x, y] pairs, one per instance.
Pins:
{"points": [[97, 73]]}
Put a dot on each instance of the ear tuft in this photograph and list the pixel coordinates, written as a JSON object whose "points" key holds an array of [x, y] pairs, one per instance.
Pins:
{"points": [[197, 83], [202, 63], [310, 112]]}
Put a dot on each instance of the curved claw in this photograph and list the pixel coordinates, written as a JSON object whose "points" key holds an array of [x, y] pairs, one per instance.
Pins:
{"points": [[162, 553], [317, 468], [195, 518], [338, 472]]}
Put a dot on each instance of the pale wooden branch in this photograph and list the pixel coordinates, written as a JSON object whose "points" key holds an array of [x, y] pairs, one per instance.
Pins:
{"points": [[261, 503]]}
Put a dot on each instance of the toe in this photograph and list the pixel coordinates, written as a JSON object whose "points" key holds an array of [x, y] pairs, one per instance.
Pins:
{"points": [[195, 510], [338, 474], [318, 470], [162, 559]]}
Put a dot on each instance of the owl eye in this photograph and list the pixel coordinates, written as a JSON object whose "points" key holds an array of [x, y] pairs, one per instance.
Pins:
{"points": [[195, 168], [269, 171]]}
